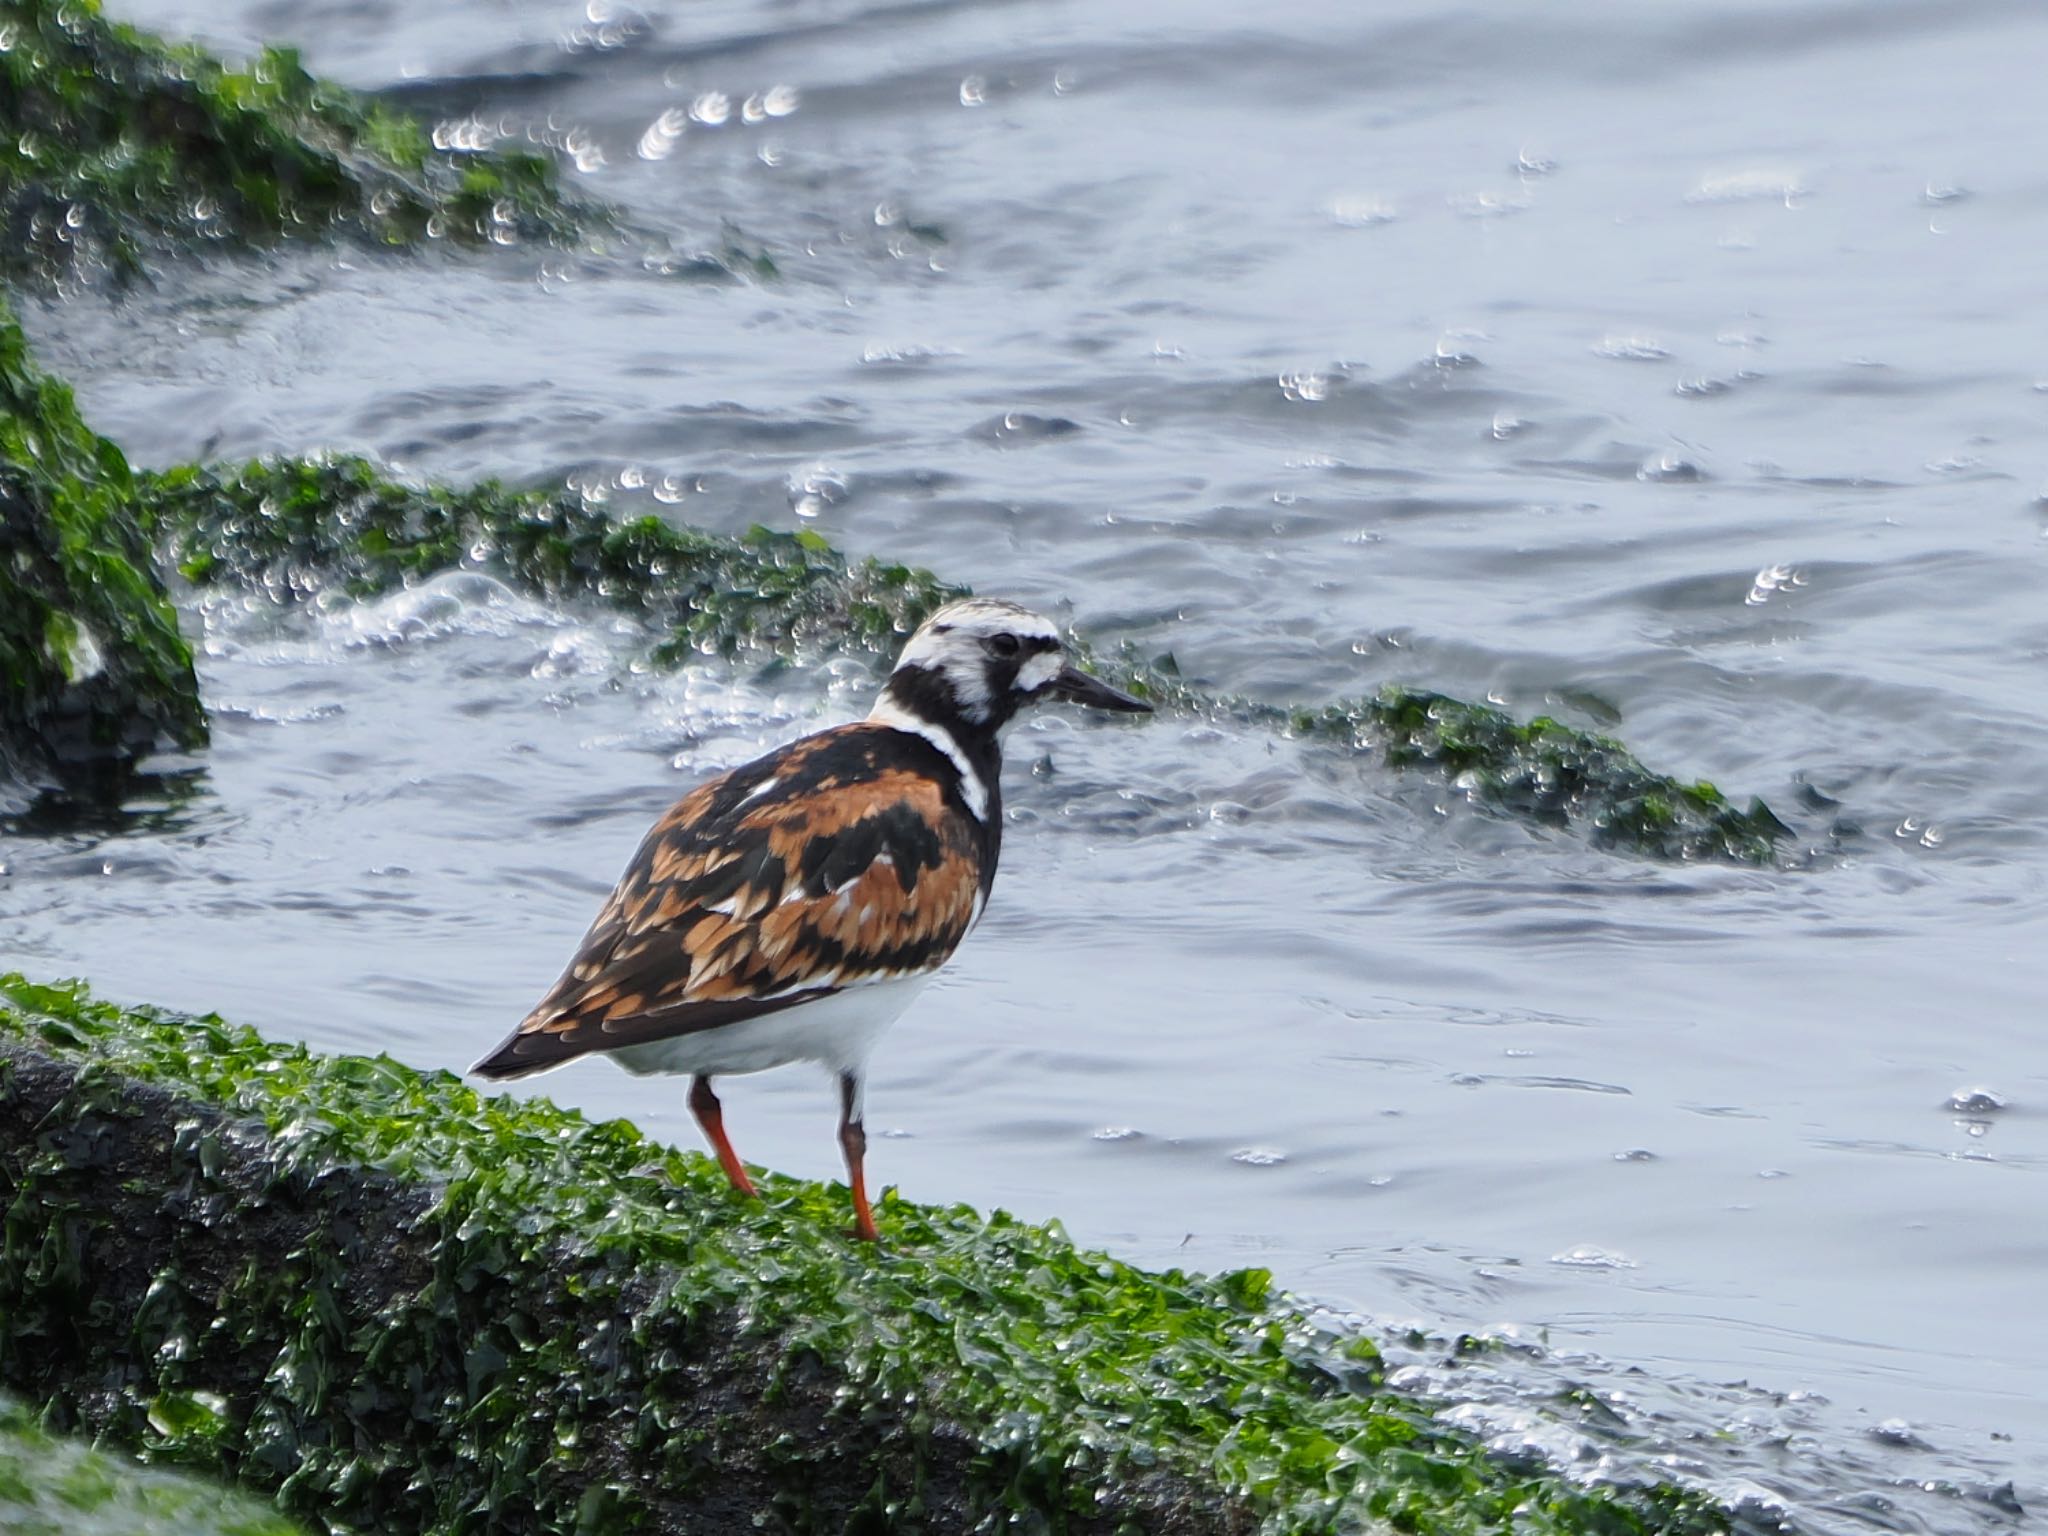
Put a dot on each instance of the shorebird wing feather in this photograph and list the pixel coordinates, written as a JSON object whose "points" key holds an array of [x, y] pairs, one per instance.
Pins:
{"points": [[819, 868]]}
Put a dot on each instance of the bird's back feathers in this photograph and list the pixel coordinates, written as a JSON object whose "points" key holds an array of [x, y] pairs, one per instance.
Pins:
{"points": [[842, 859]]}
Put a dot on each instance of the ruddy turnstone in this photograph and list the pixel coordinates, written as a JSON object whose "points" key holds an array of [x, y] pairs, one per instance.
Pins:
{"points": [[789, 910]]}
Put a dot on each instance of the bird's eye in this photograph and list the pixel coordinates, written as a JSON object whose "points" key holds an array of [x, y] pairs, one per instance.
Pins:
{"points": [[1004, 646]]}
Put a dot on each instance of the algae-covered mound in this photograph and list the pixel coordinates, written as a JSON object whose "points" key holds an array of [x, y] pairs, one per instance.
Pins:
{"points": [[1540, 771], [50, 1486], [400, 1307], [298, 529], [295, 528], [113, 142], [1551, 773], [93, 674]]}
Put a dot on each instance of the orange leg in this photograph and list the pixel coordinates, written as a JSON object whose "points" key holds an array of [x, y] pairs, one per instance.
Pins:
{"points": [[853, 1140], [704, 1105]]}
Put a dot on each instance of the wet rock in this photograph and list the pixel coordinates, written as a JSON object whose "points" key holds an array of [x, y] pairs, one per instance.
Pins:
{"points": [[397, 1306], [115, 144], [94, 676]]}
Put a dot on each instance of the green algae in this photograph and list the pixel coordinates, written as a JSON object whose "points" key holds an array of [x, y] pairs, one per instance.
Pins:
{"points": [[1553, 774], [53, 1486], [303, 529], [115, 144], [1541, 770], [93, 673], [300, 528], [514, 1329]]}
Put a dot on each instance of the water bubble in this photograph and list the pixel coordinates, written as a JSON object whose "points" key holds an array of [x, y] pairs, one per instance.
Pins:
{"points": [[1530, 163], [466, 135], [973, 91], [1586, 1256], [1230, 813], [1954, 464], [575, 653], [1361, 212], [1669, 467], [1779, 182], [812, 490], [1014, 429], [1258, 1157], [1507, 425], [1635, 349], [584, 151], [1939, 192], [1488, 205], [1975, 1101], [659, 141], [1449, 355], [1310, 387], [1636, 1155], [711, 109], [1118, 1133], [1770, 581], [1918, 829], [781, 100]]}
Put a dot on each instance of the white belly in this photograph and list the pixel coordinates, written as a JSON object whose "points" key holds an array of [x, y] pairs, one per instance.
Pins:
{"points": [[838, 1031]]}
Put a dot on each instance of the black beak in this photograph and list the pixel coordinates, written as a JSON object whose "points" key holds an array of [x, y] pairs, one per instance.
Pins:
{"points": [[1075, 685]]}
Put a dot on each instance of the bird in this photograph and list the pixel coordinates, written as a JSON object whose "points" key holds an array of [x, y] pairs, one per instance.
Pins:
{"points": [[792, 908]]}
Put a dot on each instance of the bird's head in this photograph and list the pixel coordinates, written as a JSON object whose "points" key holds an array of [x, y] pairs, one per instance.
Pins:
{"points": [[980, 660]]}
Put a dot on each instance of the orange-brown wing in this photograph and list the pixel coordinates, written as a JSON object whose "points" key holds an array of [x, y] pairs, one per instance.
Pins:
{"points": [[820, 868]]}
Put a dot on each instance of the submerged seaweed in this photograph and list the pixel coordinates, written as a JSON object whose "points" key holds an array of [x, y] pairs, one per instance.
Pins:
{"points": [[1540, 770], [114, 143], [296, 527], [489, 1314], [1551, 773]]}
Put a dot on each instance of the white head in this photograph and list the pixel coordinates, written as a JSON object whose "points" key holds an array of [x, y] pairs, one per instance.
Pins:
{"points": [[975, 663]]}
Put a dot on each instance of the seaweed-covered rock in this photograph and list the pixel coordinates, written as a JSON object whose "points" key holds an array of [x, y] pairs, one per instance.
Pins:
{"points": [[113, 142], [1551, 773], [404, 1308], [1540, 770], [296, 528], [93, 674]]}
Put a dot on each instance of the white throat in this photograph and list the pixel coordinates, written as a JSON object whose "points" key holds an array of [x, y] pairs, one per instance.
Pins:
{"points": [[888, 712]]}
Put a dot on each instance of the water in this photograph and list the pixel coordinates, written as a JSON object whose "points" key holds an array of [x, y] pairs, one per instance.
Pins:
{"points": [[1676, 372]]}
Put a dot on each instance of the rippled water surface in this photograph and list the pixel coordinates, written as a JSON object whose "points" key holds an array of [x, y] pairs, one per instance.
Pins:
{"points": [[1682, 372]]}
